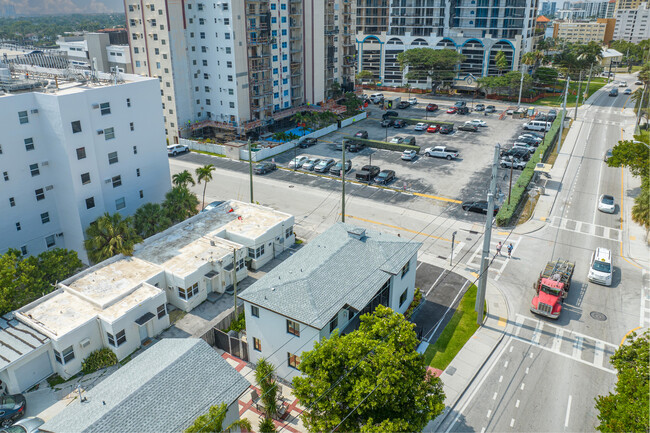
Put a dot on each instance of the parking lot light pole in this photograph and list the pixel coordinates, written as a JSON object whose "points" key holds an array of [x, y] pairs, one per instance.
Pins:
{"points": [[512, 163]]}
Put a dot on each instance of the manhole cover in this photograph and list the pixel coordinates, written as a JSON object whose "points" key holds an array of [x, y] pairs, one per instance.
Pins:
{"points": [[290, 186], [598, 316], [451, 371]]}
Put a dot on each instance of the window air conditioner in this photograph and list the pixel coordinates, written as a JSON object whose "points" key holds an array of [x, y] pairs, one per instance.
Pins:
{"points": [[107, 180], [100, 131], [45, 163], [85, 342], [35, 111], [49, 188]]}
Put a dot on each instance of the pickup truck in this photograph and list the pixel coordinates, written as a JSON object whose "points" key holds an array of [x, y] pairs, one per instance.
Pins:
{"points": [[441, 152], [517, 164], [367, 173]]}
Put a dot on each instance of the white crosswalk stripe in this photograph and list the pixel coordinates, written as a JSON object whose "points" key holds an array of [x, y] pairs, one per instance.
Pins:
{"points": [[645, 300], [499, 263], [586, 228], [573, 345]]}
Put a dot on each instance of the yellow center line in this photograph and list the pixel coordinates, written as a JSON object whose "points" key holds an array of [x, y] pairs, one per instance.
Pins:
{"points": [[622, 213], [399, 228], [631, 331], [435, 197]]}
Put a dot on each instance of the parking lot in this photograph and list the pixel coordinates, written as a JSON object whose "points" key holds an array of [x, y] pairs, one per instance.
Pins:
{"points": [[466, 178]]}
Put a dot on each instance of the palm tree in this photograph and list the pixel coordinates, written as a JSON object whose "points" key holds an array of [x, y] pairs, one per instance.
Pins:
{"points": [[281, 136], [110, 235], [641, 207], [184, 178], [501, 62], [213, 421], [204, 174], [264, 376], [150, 219], [303, 120], [327, 117], [180, 204], [408, 87], [533, 58], [267, 426]]}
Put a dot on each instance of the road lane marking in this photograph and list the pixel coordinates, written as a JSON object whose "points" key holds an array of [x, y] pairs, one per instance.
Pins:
{"points": [[494, 397], [557, 340], [527, 370], [512, 422], [500, 379], [522, 386], [568, 413], [537, 335], [505, 365], [599, 354], [436, 282], [517, 404], [511, 349], [435, 197], [631, 331], [489, 412]]}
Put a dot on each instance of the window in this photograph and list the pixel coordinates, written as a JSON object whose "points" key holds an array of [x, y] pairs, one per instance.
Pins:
{"points": [[189, 292], [12, 201], [45, 217], [6, 175], [120, 203], [283, 7], [231, 91], [228, 51], [128, 100], [288, 232], [157, 65], [137, 63], [255, 253], [293, 360], [405, 269], [105, 108], [137, 172], [40, 194], [227, 35], [22, 117], [228, 64], [135, 150], [240, 264], [90, 203], [141, 194], [293, 328], [255, 311], [229, 77], [34, 169], [109, 133], [118, 339], [257, 344], [81, 152], [402, 297], [162, 311], [135, 50], [18, 228], [112, 157], [231, 104], [29, 144], [208, 102], [334, 323], [273, 6], [226, 21], [117, 181], [23, 250], [64, 357], [76, 126], [0, 150], [85, 178], [49, 241], [225, 7]]}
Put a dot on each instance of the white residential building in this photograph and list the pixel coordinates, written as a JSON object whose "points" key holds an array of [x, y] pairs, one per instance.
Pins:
{"points": [[121, 302], [343, 273], [73, 151], [632, 25], [97, 51]]}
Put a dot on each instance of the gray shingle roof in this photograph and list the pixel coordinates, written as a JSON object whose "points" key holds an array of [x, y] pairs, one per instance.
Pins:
{"points": [[163, 389], [333, 270]]}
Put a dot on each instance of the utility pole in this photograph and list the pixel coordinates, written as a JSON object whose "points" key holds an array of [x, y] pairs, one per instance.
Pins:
{"points": [[453, 240], [234, 276], [638, 111], [250, 167], [512, 164], [575, 116], [586, 95], [566, 92], [487, 236], [343, 184], [521, 85]]}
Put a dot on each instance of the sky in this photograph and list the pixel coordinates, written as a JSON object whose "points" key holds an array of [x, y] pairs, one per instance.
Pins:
{"points": [[51, 7]]}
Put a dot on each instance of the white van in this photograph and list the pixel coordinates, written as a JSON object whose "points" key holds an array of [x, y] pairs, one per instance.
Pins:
{"points": [[376, 98], [537, 125]]}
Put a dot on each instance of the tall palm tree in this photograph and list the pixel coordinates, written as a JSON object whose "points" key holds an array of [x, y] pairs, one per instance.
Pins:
{"points": [[204, 174], [110, 235], [213, 421], [184, 178], [501, 61], [180, 203], [150, 219], [264, 376], [641, 207], [281, 136]]}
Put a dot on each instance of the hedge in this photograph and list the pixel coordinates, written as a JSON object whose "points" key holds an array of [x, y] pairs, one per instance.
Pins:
{"points": [[383, 145], [518, 192], [97, 360]]}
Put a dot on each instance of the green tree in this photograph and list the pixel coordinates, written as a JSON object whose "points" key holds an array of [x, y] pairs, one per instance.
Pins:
{"points": [[632, 154], [180, 203], [365, 75], [281, 136], [501, 61], [335, 89], [267, 426], [533, 59], [385, 386], [213, 421], [545, 76], [439, 65], [627, 408], [265, 378], [184, 178], [641, 207], [352, 103], [110, 235], [204, 174], [150, 219]]}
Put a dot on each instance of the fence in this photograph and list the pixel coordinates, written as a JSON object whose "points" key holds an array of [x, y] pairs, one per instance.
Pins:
{"points": [[229, 342], [204, 147], [275, 149], [351, 120]]}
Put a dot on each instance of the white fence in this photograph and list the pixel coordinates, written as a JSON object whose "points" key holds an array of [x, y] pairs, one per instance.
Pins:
{"points": [[204, 147], [275, 148], [351, 120]]}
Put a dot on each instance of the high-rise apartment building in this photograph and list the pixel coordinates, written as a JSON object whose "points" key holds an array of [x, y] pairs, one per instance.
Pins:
{"points": [[72, 150], [632, 25], [240, 65], [478, 29], [548, 8], [594, 8]]}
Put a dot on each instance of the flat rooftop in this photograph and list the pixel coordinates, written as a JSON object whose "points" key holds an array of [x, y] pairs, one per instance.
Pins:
{"points": [[255, 219]]}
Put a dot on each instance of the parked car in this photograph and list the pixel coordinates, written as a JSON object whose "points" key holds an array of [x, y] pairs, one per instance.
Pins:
{"points": [[212, 205], [25, 425], [385, 177], [606, 204], [600, 267], [490, 109], [421, 127], [339, 145], [361, 134], [298, 161], [459, 104], [516, 152], [12, 408], [442, 152], [462, 110], [388, 114], [410, 140], [387, 123], [403, 104], [305, 142], [356, 146], [377, 98], [264, 167], [529, 140], [468, 127], [528, 147], [433, 128], [480, 206], [310, 164], [476, 122], [400, 124], [336, 168], [515, 163], [175, 149], [413, 101], [479, 107], [530, 137], [627, 91], [432, 107], [452, 110], [446, 129], [608, 154], [324, 165], [551, 115], [368, 173], [541, 117], [397, 140], [409, 155]]}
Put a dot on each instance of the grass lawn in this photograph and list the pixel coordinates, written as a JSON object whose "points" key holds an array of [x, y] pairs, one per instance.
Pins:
{"points": [[460, 328], [556, 101]]}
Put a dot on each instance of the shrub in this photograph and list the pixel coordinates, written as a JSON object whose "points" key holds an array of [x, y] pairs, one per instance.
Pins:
{"points": [[417, 299], [237, 325], [383, 145], [97, 360]]}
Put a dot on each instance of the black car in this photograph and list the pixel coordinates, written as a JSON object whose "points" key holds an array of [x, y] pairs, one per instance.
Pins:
{"points": [[542, 117], [478, 207], [387, 123], [446, 129], [12, 408], [552, 114], [404, 104], [368, 173], [307, 141], [517, 152], [355, 146], [529, 140], [479, 107], [336, 169], [385, 177], [468, 127], [264, 167], [388, 114], [462, 110], [361, 134], [400, 124]]}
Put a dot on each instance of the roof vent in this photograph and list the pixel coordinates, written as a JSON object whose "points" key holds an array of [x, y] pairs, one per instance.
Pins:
{"points": [[357, 233]]}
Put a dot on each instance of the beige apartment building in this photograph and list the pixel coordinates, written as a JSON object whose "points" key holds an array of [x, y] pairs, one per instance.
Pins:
{"points": [[584, 32], [240, 65]]}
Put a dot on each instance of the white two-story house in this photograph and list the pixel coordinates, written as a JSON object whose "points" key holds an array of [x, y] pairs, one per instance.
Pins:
{"points": [[342, 274]]}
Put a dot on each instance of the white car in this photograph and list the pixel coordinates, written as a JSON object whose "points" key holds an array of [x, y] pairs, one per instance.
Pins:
{"points": [[413, 101], [622, 84], [421, 127], [476, 122], [600, 268], [441, 152], [528, 147], [606, 204], [298, 161], [175, 149], [409, 155], [397, 140]]}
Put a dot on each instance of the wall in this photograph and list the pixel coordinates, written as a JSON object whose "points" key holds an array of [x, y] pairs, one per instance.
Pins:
{"points": [[204, 147], [267, 152], [351, 120], [399, 284]]}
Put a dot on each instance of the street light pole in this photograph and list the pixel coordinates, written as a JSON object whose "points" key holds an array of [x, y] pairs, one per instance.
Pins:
{"points": [[512, 163], [566, 91], [575, 116], [521, 85], [453, 240], [250, 167]]}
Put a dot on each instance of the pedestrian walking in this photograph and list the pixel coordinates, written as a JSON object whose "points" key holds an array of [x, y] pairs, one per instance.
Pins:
{"points": [[499, 245], [510, 247]]}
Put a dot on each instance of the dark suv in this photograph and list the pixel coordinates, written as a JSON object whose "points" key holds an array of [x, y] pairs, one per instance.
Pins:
{"points": [[388, 114], [368, 173]]}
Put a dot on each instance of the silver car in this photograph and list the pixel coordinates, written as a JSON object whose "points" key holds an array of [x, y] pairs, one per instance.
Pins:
{"points": [[310, 164], [25, 425], [324, 165]]}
